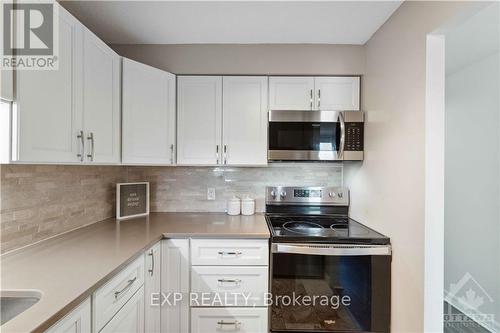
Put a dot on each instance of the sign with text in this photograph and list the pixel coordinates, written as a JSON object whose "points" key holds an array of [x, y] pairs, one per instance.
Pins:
{"points": [[132, 200], [30, 35]]}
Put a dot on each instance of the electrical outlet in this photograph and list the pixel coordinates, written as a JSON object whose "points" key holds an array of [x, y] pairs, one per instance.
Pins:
{"points": [[211, 193]]}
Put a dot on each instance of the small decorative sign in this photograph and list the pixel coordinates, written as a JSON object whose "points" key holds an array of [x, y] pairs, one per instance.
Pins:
{"points": [[132, 200]]}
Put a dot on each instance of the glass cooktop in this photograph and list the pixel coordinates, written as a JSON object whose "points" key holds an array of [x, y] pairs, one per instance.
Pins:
{"points": [[321, 228]]}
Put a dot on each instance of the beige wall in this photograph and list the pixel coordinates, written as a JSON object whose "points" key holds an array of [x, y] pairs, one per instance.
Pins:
{"points": [[387, 190], [249, 59]]}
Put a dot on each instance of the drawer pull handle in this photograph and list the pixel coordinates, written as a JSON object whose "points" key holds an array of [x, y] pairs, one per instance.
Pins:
{"points": [[234, 254], [152, 269], [235, 323], [235, 281], [129, 284]]}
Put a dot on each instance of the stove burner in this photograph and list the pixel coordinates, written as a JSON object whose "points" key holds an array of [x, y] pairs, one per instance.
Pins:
{"points": [[346, 228], [303, 227], [336, 226]]}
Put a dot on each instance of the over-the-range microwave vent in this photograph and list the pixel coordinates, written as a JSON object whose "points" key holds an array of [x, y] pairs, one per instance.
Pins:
{"points": [[315, 136]]}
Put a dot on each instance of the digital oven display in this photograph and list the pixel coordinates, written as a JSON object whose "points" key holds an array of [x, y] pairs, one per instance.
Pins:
{"points": [[307, 193]]}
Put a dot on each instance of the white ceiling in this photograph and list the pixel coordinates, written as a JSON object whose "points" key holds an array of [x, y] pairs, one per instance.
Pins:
{"points": [[241, 22]]}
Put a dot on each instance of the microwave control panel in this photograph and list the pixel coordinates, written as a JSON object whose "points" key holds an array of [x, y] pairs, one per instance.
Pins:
{"points": [[354, 136]]}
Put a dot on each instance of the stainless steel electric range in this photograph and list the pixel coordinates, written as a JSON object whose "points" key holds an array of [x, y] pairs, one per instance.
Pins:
{"points": [[329, 273]]}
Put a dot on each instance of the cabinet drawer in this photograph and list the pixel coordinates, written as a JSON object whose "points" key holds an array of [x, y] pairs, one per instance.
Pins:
{"points": [[242, 320], [130, 318], [115, 293], [229, 286], [229, 252]]}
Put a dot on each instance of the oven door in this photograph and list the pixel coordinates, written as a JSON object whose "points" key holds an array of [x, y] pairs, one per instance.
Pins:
{"points": [[330, 288], [306, 135]]}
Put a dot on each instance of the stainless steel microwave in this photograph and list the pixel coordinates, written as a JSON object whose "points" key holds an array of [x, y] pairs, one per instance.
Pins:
{"points": [[315, 136]]}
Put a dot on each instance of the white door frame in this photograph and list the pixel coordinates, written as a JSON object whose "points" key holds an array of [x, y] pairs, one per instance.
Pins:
{"points": [[434, 183]]}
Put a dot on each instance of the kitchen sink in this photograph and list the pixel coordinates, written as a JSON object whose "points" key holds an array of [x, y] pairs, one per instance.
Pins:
{"points": [[14, 302]]}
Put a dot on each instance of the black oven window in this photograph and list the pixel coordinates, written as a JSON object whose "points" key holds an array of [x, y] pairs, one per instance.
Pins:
{"points": [[353, 285], [304, 136]]}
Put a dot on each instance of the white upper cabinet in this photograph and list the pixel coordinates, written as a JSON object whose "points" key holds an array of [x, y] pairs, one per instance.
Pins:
{"points": [[337, 93], [48, 113], [7, 84], [101, 100], [148, 115], [291, 93], [328, 93], [244, 120], [72, 114], [199, 112]]}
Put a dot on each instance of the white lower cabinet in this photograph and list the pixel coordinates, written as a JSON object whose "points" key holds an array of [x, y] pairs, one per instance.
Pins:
{"points": [[242, 320], [202, 271], [130, 318], [77, 321], [229, 284], [175, 281], [152, 289]]}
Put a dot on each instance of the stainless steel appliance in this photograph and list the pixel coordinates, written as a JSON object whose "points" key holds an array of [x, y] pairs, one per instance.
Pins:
{"points": [[315, 136], [317, 251]]}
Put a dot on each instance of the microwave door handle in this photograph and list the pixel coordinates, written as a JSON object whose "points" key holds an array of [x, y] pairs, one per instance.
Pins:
{"points": [[340, 155], [333, 250]]}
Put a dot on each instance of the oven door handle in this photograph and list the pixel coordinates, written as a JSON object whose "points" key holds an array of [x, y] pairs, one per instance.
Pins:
{"points": [[333, 249], [340, 155]]}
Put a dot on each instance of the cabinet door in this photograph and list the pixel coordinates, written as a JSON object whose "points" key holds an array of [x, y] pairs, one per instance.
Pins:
{"points": [[199, 102], [152, 289], [148, 112], [244, 120], [101, 100], [175, 279], [48, 114], [339, 93], [291, 93], [130, 318], [77, 321]]}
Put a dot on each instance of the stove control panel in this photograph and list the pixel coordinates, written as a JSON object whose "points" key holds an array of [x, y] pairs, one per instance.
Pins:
{"points": [[307, 195], [301, 193]]}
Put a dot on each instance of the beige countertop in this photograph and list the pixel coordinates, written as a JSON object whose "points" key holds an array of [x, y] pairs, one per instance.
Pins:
{"points": [[69, 267]]}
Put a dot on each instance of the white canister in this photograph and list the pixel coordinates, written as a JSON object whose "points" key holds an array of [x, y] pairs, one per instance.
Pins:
{"points": [[247, 206], [233, 206]]}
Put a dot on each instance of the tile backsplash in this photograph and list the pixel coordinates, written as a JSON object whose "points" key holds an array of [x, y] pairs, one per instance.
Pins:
{"points": [[40, 201], [185, 188]]}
